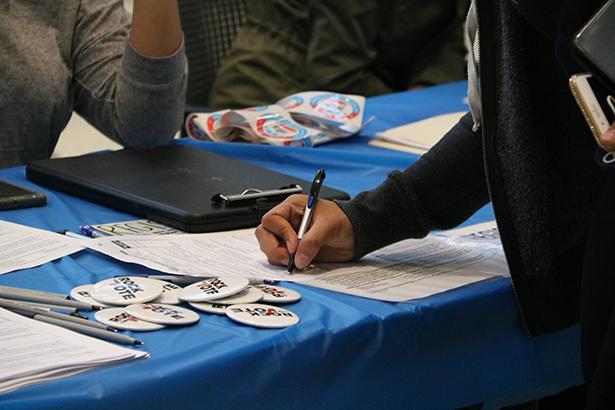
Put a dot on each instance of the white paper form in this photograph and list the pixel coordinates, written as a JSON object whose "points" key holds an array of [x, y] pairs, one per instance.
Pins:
{"points": [[24, 247], [209, 254], [419, 136], [406, 270], [32, 352]]}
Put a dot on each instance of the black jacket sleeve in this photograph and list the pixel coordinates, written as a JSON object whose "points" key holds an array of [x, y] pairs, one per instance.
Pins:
{"points": [[439, 191]]}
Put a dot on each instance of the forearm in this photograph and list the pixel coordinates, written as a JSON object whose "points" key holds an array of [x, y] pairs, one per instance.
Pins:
{"points": [[135, 99], [156, 27], [439, 191]]}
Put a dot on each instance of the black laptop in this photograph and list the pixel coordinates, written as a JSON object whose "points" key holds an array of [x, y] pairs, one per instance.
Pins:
{"points": [[180, 186]]}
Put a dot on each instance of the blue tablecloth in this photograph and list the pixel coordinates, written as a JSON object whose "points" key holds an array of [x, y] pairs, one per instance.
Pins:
{"points": [[449, 350]]}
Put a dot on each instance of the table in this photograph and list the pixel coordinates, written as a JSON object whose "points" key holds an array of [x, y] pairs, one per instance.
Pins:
{"points": [[446, 351]]}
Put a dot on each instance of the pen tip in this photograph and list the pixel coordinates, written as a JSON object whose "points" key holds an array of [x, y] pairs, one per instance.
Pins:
{"points": [[138, 342], [291, 263]]}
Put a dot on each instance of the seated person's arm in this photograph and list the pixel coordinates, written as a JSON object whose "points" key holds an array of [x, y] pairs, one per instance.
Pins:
{"points": [[131, 90]]}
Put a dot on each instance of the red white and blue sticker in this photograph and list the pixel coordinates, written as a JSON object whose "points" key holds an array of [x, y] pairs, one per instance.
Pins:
{"points": [[193, 130], [290, 102], [259, 108], [119, 318], [259, 315], [126, 290], [275, 126], [212, 122], [163, 314], [336, 107], [213, 288]]}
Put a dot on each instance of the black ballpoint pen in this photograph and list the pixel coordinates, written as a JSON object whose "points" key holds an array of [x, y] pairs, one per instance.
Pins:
{"points": [[307, 215]]}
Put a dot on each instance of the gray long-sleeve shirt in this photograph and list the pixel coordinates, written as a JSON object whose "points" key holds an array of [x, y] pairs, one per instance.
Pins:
{"points": [[74, 55]]}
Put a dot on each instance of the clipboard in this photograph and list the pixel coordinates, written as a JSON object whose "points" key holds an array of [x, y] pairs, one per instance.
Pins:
{"points": [[179, 186]]}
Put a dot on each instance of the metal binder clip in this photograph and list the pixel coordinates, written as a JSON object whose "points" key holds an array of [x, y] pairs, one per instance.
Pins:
{"points": [[253, 193]]}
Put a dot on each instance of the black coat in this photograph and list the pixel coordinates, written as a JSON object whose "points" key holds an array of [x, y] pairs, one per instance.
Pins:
{"points": [[532, 157]]}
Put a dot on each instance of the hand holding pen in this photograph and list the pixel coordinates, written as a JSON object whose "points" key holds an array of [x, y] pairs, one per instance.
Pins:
{"points": [[328, 238], [310, 206]]}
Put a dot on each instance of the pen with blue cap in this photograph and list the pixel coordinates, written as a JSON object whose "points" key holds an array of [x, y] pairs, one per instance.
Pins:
{"points": [[307, 215]]}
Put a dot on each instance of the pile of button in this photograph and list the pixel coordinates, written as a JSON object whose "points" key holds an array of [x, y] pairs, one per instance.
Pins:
{"points": [[143, 304]]}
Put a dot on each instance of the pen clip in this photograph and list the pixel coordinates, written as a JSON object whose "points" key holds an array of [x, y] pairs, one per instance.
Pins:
{"points": [[253, 193]]}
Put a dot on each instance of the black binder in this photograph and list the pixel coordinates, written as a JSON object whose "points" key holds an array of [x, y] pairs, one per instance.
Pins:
{"points": [[179, 186]]}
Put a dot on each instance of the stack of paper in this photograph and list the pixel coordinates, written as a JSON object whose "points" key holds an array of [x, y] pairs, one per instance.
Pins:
{"points": [[33, 352], [23, 247], [409, 269], [417, 137]]}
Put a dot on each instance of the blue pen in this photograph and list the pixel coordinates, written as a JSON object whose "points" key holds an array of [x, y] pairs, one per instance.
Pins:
{"points": [[73, 234], [92, 232], [307, 215]]}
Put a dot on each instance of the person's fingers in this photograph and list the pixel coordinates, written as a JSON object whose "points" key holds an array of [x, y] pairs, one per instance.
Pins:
{"points": [[322, 231], [277, 232], [608, 138], [270, 245], [279, 225]]}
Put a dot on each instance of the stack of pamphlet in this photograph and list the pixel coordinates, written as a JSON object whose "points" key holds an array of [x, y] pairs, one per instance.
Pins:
{"points": [[33, 352]]}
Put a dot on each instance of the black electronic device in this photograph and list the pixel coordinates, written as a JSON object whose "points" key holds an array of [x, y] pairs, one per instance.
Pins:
{"points": [[180, 186], [594, 45], [14, 197]]}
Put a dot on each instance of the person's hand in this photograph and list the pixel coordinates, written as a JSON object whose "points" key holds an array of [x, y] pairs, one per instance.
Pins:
{"points": [[329, 238], [608, 138]]}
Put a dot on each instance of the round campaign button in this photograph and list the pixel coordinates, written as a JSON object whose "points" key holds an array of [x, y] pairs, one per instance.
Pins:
{"points": [[170, 293], [119, 318], [259, 315], [213, 288], [82, 294], [249, 295], [163, 314], [209, 307], [278, 294], [126, 290]]}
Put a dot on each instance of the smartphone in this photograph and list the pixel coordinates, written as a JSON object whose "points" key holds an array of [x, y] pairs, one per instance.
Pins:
{"points": [[595, 101], [14, 196], [594, 45]]}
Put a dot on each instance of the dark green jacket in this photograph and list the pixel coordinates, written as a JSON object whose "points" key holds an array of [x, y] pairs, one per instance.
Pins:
{"points": [[366, 47]]}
